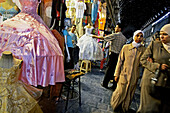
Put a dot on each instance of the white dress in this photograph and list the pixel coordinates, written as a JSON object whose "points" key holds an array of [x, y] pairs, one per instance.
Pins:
{"points": [[89, 47]]}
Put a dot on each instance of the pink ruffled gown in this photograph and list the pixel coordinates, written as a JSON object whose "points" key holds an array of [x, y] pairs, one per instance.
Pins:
{"points": [[29, 39]]}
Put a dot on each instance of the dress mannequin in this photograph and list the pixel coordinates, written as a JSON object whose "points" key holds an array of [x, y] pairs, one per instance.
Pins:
{"points": [[16, 96], [89, 26], [29, 39], [89, 47], [69, 48], [7, 60]]}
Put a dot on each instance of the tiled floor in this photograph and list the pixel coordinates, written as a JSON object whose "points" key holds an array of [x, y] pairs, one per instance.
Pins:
{"points": [[95, 98]]}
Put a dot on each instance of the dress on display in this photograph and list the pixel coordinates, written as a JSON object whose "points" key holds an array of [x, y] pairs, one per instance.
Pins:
{"points": [[29, 39], [89, 47], [14, 95]]}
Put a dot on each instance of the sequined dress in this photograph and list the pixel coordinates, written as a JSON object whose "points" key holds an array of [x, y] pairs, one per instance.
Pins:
{"points": [[14, 96], [29, 39]]}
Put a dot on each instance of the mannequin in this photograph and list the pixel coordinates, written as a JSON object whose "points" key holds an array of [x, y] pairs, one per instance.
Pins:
{"points": [[13, 91], [89, 47], [69, 48], [88, 25], [7, 60], [28, 38], [89, 29]]}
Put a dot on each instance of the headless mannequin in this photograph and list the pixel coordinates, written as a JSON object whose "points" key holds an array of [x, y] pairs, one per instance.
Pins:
{"points": [[94, 36], [89, 26], [7, 60], [68, 58]]}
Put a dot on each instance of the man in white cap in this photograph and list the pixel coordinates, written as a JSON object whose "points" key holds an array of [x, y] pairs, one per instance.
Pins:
{"points": [[127, 73]]}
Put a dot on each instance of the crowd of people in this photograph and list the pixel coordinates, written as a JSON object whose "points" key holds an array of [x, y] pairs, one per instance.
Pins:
{"points": [[44, 55]]}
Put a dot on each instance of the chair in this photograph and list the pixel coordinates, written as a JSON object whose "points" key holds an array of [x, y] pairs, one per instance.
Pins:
{"points": [[85, 66], [70, 78]]}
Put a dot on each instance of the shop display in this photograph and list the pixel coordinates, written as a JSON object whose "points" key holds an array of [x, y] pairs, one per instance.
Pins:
{"points": [[29, 39], [94, 11], [102, 16], [15, 96], [71, 11], [89, 47], [80, 8]]}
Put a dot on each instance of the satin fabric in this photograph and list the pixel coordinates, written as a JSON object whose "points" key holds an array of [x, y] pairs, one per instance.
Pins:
{"points": [[29, 39]]}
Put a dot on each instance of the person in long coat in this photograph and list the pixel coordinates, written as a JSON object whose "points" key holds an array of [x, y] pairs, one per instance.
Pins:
{"points": [[159, 51], [127, 73]]}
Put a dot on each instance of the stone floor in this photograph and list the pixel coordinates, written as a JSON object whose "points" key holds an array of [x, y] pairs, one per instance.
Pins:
{"points": [[95, 98]]}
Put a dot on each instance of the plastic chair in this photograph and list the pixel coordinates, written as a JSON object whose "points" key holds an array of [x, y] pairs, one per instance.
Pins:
{"points": [[85, 66]]}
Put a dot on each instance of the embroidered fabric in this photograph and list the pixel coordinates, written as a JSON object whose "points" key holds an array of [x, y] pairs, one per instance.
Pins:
{"points": [[29, 39], [14, 98]]}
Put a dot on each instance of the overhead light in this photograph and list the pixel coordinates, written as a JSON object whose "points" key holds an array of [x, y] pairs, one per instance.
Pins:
{"points": [[158, 14], [161, 11], [165, 8]]}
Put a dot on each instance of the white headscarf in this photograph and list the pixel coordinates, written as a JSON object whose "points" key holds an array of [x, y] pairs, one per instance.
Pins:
{"points": [[134, 43], [166, 29], [136, 32]]}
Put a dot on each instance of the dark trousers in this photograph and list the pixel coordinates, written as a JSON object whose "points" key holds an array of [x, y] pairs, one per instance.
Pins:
{"points": [[109, 75], [75, 55], [70, 64]]}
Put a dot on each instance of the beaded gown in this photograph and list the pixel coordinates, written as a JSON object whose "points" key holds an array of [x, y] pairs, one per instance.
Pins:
{"points": [[15, 96], [29, 39], [89, 47]]}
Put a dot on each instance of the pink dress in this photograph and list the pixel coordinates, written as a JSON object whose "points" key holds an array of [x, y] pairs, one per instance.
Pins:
{"points": [[29, 39]]}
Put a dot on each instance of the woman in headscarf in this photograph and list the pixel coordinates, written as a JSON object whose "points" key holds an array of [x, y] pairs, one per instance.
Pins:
{"points": [[29, 39], [127, 73], [155, 84]]}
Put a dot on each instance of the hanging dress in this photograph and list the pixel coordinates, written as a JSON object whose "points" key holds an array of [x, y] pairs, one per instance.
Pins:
{"points": [[89, 48]]}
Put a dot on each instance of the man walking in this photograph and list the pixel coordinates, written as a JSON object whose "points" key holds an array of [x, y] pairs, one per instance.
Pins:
{"points": [[117, 40]]}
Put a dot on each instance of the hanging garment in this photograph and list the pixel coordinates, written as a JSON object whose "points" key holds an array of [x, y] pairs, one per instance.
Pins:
{"points": [[101, 24], [94, 11], [80, 7], [87, 1]]}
